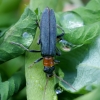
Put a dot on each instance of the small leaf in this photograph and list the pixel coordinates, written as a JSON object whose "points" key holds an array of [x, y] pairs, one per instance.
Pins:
{"points": [[4, 90], [13, 85], [73, 20], [87, 61], [83, 35], [22, 32], [83, 31], [94, 95], [88, 70], [81, 25]]}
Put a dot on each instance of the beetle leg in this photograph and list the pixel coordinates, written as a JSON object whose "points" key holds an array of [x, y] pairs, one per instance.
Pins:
{"points": [[34, 51], [60, 35], [60, 28], [64, 81], [56, 61], [20, 45], [36, 61], [58, 53]]}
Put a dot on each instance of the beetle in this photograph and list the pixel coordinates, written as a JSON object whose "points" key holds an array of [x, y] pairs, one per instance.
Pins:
{"points": [[47, 40]]}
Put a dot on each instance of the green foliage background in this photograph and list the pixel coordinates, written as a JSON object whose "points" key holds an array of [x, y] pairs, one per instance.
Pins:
{"points": [[80, 66]]}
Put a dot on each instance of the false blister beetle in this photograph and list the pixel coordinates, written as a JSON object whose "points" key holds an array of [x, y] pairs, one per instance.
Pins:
{"points": [[47, 40]]}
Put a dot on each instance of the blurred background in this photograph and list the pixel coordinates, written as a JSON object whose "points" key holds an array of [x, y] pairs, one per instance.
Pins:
{"points": [[10, 12]]}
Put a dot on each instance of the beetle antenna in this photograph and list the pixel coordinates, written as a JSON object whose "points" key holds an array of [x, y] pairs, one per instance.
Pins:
{"points": [[64, 81], [60, 28], [45, 88]]}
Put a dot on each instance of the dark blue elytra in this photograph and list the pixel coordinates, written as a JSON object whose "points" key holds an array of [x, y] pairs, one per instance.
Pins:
{"points": [[48, 33]]}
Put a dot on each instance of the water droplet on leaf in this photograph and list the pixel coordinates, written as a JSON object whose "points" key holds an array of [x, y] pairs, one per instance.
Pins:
{"points": [[26, 35], [59, 90], [65, 46]]}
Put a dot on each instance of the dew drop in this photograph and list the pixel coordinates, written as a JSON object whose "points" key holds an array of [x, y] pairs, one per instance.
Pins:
{"points": [[65, 46], [26, 35], [59, 90], [27, 38], [71, 20]]}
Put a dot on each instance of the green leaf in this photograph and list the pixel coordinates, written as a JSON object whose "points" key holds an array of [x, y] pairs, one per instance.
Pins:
{"points": [[81, 68], [2, 32], [94, 95], [83, 35], [91, 4], [4, 94], [22, 32], [81, 25], [8, 6], [36, 78], [88, 70], [54, 4], [13, 85], [8, 10], [81, 65]]}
